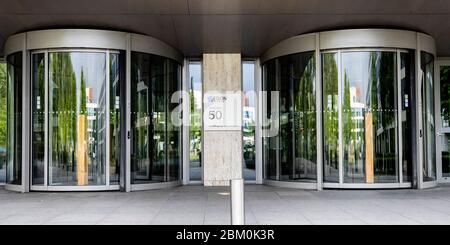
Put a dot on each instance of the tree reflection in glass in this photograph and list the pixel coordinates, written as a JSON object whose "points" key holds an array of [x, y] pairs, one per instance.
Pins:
{"points": [[155, 140], [427, 91], [14, 120], [77, 118], [292, 155], [369, 117], [38, 117], [330, 117]]}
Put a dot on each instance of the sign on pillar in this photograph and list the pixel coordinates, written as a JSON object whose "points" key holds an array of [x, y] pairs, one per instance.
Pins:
{"points": [[222, 111]]}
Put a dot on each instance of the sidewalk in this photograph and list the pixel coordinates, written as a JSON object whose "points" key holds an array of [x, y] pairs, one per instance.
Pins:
{"points": [[201, 205]]}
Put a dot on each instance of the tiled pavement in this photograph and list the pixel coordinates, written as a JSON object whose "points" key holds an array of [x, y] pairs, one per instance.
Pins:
{"points": [[201, 205]]}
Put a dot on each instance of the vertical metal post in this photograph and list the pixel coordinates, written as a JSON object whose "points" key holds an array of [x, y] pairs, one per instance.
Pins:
{"points": [[107, 119], [258, 134], [400, 76], [128, 117], [319, 114], [186, 128], [26, 117], [237, 202], [419, 104], [46, 122], [341, 125], [438, 118]]}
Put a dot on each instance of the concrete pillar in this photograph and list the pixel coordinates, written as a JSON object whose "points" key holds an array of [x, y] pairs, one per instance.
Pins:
{"points": [[222, 150]]}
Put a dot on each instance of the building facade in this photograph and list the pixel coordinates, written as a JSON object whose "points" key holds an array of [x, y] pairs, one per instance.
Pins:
{"points": [[95, 109]]}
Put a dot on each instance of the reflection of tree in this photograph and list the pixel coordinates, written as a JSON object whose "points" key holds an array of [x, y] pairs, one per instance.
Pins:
{"points": [[350, 135], [369, 118], [141, 114], [294, 150], [64, 103], [64, 99], [382, 81], [445, 95], [305, 108], [195, 124], [38, 116], [3, 110], [330, 107]]}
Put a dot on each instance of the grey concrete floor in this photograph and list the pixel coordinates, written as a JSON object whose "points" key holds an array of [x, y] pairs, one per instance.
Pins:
{"points": [[199, 205]]}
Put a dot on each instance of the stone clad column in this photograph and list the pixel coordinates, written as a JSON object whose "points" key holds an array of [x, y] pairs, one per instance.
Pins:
{"points": [[222, 150]]}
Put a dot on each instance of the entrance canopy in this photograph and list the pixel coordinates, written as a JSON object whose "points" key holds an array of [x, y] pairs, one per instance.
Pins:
{"points": [[249, 27]]}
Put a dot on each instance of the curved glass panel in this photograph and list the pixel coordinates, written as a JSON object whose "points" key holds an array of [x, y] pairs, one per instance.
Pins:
{"points": [[174, 136], [330, 105], [77, 109], [407, 74], [429, 128], [38, 118], [249, 118], [290, 152], [444, 71], [3, 120], [195, 127], [115, 76], [14, 121], [155, 141]]}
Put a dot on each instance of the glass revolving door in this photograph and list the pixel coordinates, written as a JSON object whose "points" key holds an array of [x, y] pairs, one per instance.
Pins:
{"points": [[70, 114], [155, 138], [363, 105]]}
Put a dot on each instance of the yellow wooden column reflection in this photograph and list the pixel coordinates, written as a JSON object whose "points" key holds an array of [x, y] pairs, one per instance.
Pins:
{"points": [[368, 129], [82, 169]]}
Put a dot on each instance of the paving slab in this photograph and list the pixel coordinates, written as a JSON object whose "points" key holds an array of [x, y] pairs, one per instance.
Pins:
{"points": [[197, 205]]}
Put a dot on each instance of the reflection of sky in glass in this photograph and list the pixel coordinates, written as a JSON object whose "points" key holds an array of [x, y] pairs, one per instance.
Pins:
{"points": [[356, 66], [195, 81], [248, 80], [195, 73], [94, 66]]}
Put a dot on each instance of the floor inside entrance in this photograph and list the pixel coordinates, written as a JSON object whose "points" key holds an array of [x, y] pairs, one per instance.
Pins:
{"points": [[200, 205]]}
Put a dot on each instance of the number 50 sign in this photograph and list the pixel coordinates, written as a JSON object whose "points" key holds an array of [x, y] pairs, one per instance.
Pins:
{"points": [[222, 111]]}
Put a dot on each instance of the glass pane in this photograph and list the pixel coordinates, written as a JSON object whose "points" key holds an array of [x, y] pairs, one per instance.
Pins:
{"points": [[174, 146], [286, 134], [445, 115], [195, 131], [271, 142], [38, 117], [3, 121], [445, 95], [302, 74], [152, 78], [330, 117], [290, 155], [427, 90], [407, 90], [14, 124], [248, 80], [77, 118], [114, 120], [141, 118], [369, 117], [158, 79], [445, 155]]}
